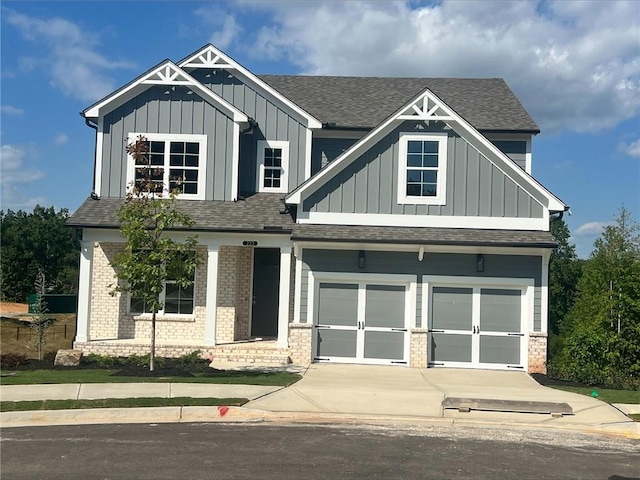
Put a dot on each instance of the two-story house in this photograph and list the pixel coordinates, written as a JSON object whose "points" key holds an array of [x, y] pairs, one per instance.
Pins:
{"points": [[340, 219]]}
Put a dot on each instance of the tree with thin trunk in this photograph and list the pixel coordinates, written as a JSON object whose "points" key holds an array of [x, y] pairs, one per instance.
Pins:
{"points": [[41, 321], [151, 256]]}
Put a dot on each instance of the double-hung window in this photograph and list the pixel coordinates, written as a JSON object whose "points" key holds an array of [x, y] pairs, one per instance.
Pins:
{"points": [[273, 166], [422, 165], [177, 300], [176, 162]]}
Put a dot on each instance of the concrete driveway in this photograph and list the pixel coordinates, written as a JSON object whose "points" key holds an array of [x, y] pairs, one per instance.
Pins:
{"points": [[398, 391]]}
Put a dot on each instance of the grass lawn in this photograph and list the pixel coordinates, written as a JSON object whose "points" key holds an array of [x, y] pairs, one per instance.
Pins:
{"points": [[100, 375], [605, 394], [118, 403]]}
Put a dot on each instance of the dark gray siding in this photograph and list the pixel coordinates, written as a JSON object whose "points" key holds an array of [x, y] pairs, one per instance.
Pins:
{"points": [[475, 187], [516, 150], [407, 263], [273, 124], [325, 150], [179, 111]]}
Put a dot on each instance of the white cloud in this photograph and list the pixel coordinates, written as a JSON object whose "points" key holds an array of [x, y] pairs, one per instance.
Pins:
{"points": [[11, 110], [590, 228], [70, 55], [61, 139], [12, 170], [632, 149], [574, 65], [226, 27]]}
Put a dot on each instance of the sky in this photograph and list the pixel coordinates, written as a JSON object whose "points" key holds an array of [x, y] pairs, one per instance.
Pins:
{"points": [[575, 66]]}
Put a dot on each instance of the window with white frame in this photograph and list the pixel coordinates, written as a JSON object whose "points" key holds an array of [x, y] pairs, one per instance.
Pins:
{"points": [[176, 162], [273, 166], [177, 300], [422, 164]]}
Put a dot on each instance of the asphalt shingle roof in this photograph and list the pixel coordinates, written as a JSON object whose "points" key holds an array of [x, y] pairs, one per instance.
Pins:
{"points": [[263, 211], [259, 212], [486, 103]]}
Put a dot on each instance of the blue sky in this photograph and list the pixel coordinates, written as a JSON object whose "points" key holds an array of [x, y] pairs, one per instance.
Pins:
{"points": [[574, 65]]}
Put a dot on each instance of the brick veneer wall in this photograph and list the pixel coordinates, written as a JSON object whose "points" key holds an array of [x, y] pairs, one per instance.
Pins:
{"points": [[300, 343], [234, 292], [537, 352], [108, 316], [418, 354]]}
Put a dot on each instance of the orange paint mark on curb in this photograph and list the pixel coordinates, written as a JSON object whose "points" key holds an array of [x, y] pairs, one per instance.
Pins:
{"points": [[223, 411]]}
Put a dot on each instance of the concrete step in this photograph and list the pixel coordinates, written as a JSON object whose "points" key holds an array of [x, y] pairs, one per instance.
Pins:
{"points": [[250, 354]]}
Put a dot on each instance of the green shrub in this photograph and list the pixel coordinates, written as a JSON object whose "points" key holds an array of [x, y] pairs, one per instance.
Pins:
{"points": [[190, 359], [12, 360]]}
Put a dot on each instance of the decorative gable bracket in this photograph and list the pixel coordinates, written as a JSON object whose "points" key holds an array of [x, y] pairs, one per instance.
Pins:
{"points": [[208, 59], [167, 75], [426, 109]]}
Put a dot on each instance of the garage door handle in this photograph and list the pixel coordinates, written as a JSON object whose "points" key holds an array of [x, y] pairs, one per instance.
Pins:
{"points": [[516, 334], [398, 329], [436, 331]]}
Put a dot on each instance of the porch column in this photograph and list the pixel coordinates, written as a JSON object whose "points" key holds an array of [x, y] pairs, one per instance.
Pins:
{"points": [[283, 297], [84, 291], [212, 295]]}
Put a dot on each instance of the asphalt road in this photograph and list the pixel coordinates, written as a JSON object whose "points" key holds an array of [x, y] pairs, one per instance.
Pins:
{"points": [[265, 451]]}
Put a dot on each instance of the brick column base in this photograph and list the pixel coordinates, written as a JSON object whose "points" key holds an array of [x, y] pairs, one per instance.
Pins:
{"points": [[418, 354], [300, 338], [537, 352]]}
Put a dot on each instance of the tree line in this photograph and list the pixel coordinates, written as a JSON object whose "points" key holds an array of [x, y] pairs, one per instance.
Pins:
{"points": [[37, 245], [594, 307]]}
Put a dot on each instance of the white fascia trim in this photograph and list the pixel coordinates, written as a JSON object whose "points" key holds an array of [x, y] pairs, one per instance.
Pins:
{"points": [[185, 80], [172, 137], [307, 154], [235, 161], [441, 197], [244, 74], [392, 220], [396, 247], [473, 137], [99, 143], [284, 178]]}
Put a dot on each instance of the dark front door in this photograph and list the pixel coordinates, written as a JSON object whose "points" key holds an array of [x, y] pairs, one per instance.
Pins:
{"points": [[266, 282]]}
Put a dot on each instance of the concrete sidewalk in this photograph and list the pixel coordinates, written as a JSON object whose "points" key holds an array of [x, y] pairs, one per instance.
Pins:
{"points": [[338, 393]]}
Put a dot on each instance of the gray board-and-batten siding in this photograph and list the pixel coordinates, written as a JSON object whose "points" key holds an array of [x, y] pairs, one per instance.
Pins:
{"points": [[475, 187], [407, 263], [165, 110], [273, 124]]}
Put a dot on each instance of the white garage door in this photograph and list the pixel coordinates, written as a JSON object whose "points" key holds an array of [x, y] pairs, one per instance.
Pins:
{"points": [[361, 322]]}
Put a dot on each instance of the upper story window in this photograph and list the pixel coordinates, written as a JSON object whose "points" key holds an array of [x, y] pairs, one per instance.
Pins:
{"points": [[422, 165], [176, 162], [273, 166]]}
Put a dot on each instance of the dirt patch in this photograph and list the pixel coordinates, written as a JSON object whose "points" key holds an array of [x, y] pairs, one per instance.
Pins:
{"points": [[10, 307]]}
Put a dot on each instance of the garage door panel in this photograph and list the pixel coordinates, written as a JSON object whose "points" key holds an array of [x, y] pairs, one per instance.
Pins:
{"points": [[336, 343], [501, 350], [452, 308], [385, 306], [500, 310], [384, 345], [338, 304], [450, 348]]}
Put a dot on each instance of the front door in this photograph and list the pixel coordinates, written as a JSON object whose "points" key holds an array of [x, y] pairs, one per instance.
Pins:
{"points": [[477, 327], [266, 283]]}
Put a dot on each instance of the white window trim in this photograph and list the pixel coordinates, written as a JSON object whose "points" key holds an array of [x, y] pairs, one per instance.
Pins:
{"points": [[284, 177], [172, 137], [441, 197]]}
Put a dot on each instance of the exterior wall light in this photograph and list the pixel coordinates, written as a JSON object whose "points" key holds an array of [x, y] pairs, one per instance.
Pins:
{"points": [[480, 263], [361, 259]]}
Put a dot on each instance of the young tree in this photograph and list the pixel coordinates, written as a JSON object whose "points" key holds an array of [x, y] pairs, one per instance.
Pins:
{"points": [[151, 256], [41, 321], [602, 333]]}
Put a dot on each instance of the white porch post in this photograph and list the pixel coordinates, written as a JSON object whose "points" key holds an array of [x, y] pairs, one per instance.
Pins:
{"points": [[544, 292], [212, 295], [283, 298], [84, 291]]}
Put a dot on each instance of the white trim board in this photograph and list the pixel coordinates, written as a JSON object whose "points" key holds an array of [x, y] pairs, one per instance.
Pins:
{"points": [[458, 124], [166, 73], [211, 57], [441, 221]]}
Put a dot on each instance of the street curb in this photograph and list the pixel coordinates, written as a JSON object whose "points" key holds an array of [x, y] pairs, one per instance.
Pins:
{"points": [[222, 414]]}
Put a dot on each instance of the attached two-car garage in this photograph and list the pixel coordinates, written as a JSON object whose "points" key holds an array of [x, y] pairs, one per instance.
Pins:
{"points": [[472, 322]]}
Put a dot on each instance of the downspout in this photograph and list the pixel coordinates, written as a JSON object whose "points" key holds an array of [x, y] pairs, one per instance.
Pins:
{"points": [[90, 124]]}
